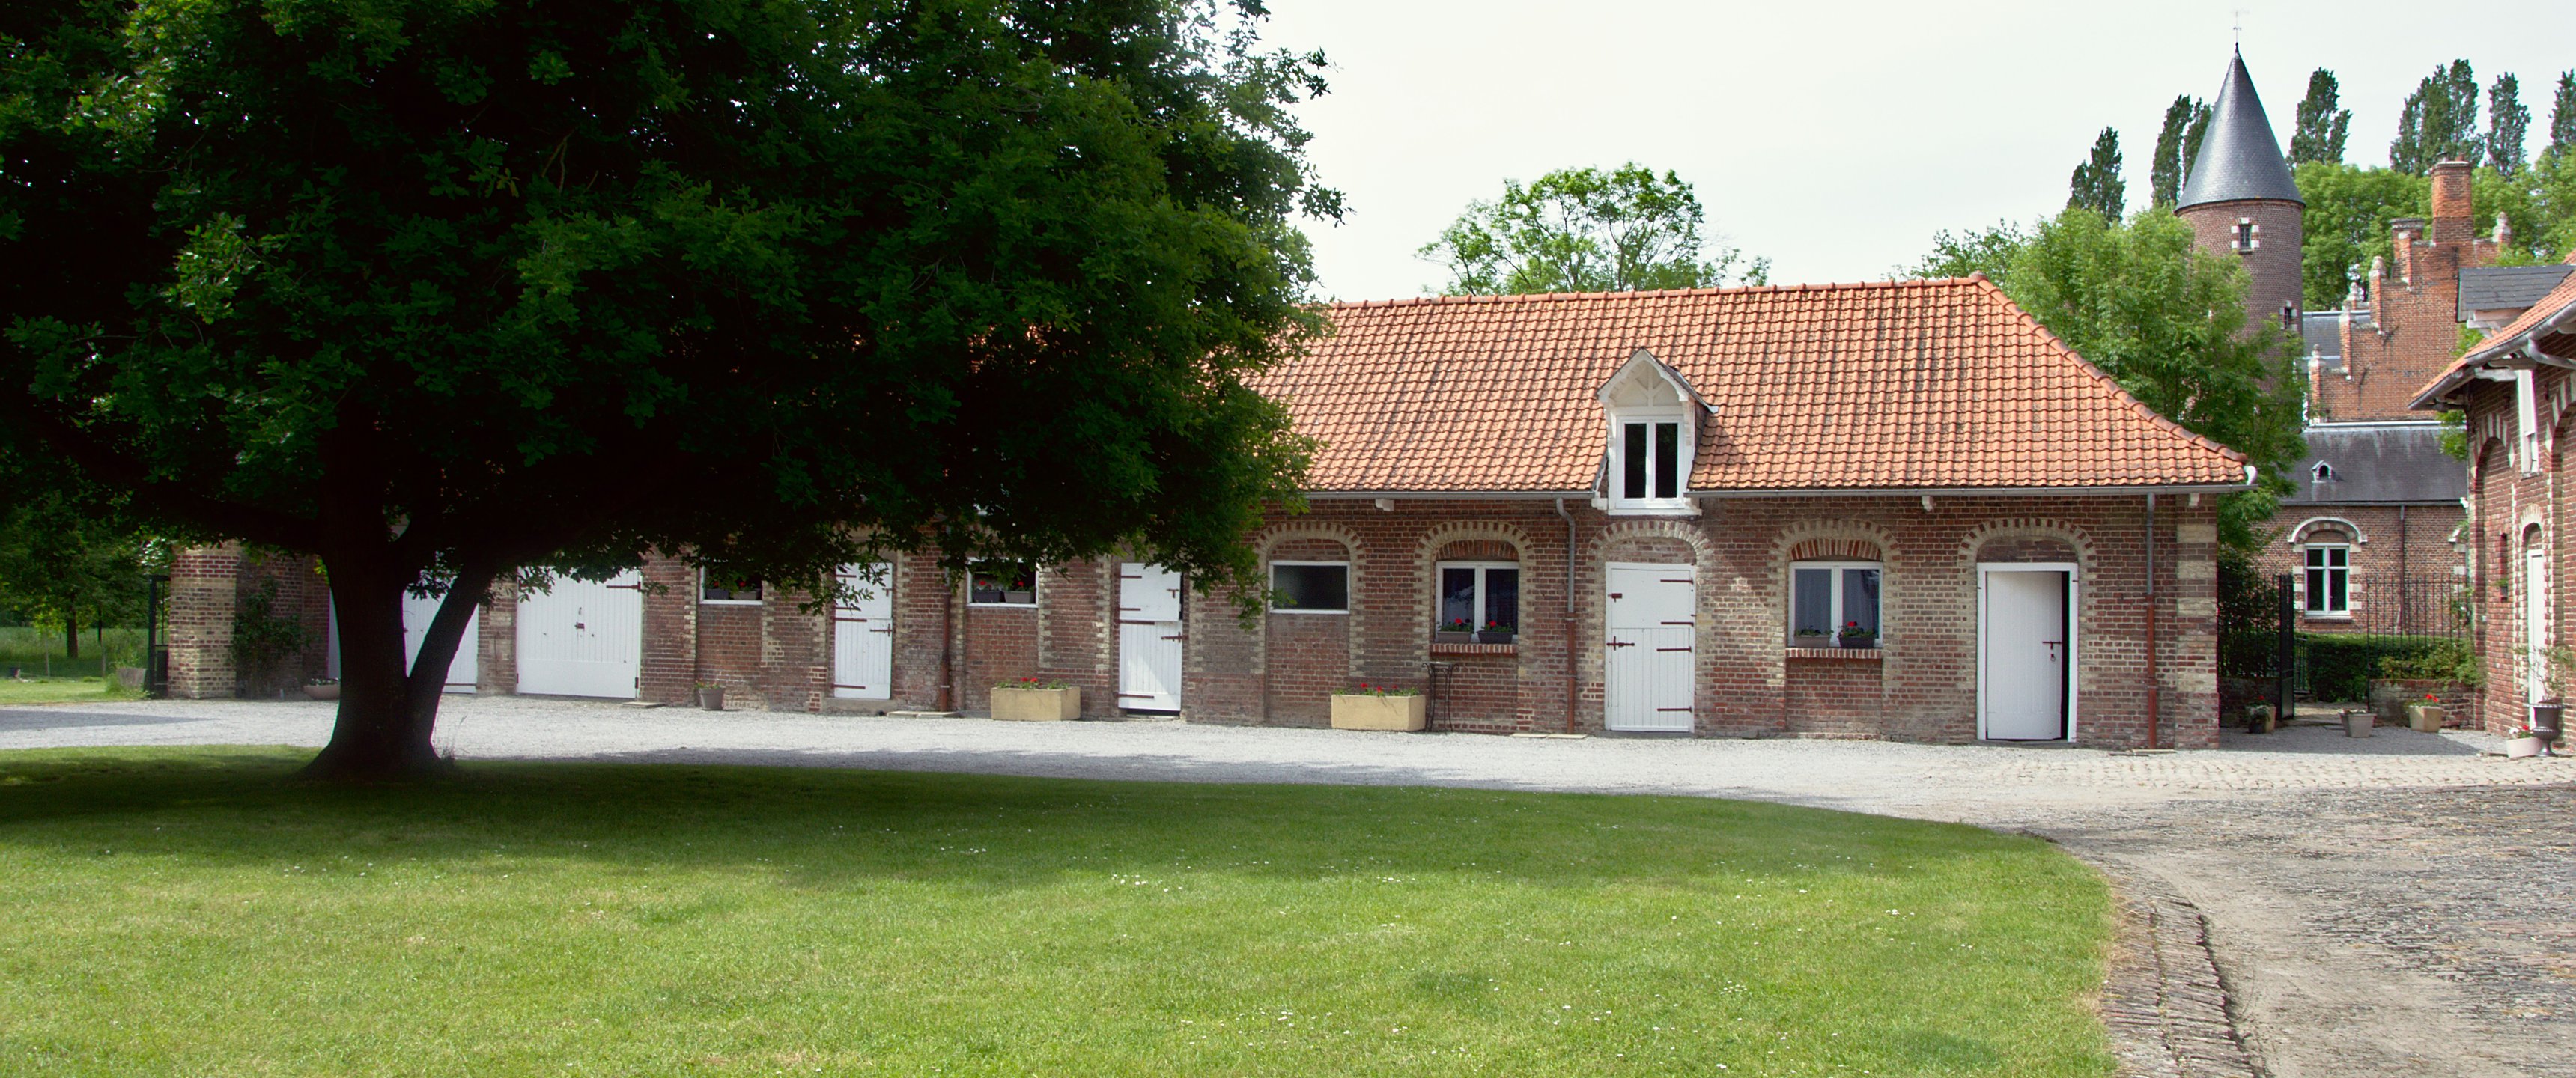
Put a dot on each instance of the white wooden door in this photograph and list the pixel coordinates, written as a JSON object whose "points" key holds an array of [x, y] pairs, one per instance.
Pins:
{"points": [[461, 670], [1649, 629], [2023, 687], [583, 638], [863, 634], [1149, 638]]}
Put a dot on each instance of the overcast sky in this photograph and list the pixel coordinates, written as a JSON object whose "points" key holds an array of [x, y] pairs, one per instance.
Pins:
{"points": [[1834, 138]]}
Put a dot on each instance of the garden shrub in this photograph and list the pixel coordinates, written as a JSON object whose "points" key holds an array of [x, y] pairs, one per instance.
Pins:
{"points": [[2340, 665]]}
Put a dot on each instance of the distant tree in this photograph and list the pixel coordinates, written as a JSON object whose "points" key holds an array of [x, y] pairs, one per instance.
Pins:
{"points": [[67, 565], [2439, 123], [2507, 121], [2096, 184], [455, 292], [2539, 200], [1586, 230], [2346, 223], [1988, 251], [2175, 145], [2141, 301], [2562, 115], [2322, 125]]}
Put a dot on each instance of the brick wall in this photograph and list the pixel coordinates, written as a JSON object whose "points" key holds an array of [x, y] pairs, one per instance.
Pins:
{"points": [[2384, 541], [2412, 334], [204, 582], [2272, 267]]}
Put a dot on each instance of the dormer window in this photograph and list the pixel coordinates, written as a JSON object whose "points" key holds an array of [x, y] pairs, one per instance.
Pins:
{"points": [[1653, 424], [2323, 472]]}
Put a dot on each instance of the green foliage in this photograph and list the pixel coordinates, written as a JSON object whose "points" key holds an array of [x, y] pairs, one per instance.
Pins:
{"points": [[68, 561], [2539, 200], [549, 283], [2455, 434], [2346, 224], [2322, 125], [2439, 123], [2185, 119], [2340, 665], [2442, 660], [1988, 251], [1586, 230], [2507, 123], [2096, 184], [261, 634], [2166, 321], [181, 912], [2562, 116]]}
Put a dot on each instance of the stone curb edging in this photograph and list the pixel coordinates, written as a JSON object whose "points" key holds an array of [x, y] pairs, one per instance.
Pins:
{"points": [[2164, 1000]]}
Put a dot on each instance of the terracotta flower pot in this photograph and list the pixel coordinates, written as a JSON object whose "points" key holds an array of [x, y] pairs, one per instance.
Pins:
{"points": [[322, 692]]}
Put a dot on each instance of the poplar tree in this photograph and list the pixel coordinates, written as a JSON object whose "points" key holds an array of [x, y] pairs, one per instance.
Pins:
{"points": [[2507, 121], [2096, 184], [2322, 125], [2439, 123], [2562, 115], [2176, 143]]}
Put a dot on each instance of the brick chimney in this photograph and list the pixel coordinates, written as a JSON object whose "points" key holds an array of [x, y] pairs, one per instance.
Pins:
{"points": [[2451, 203]]}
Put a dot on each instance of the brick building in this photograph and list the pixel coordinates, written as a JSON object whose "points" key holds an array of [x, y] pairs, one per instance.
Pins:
{"points": [[1896, 510], [2519, 398]]}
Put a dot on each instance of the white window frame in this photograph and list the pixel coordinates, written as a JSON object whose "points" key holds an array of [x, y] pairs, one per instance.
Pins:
{"points": [[1618, 502], [1346, 587], [2308, 589], [1036, 575], [1834, 597], [1440, 594], [704, 601]]}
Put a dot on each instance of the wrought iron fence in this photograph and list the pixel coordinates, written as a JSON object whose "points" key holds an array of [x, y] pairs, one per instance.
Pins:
{"points": [[2335, 653]]}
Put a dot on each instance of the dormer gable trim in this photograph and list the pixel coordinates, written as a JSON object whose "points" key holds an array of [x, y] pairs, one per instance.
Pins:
{"points": [[1642, 364]]}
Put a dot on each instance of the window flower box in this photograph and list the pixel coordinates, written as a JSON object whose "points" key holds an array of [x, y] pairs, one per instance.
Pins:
{"points": [[1371, 708], [1032, 700], [1454, 631], [1494, 634]]}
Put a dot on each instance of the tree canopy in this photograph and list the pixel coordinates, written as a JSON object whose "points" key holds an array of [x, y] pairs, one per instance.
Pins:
{"points": [[453, 291], [2322, 125], [2562, 115], [2439, 123], [2163, 319], [1587, 230], [2507, 122], [2096, 184], [2186, 120]]}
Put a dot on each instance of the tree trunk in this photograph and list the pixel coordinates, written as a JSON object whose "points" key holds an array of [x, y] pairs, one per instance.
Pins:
{"points": [[387, 712], [71, 635]]}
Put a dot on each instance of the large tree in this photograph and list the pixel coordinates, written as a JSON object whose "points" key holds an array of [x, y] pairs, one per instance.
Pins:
{"points": [[2562, 115], [2322, 123], [2507, 122], [1587, 230], [2176, 144], [70, 562], [2346, 223], [2163, 319], [2439, 123], [458, 291], [2096, 184]]}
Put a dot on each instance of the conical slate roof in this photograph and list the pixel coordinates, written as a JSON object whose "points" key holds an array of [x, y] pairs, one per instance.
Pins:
{"points": [[2239, 159]]}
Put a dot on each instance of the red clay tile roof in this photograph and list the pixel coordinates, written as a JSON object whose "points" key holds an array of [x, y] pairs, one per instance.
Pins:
{"points": [[2501, 341], [1900, 385]]}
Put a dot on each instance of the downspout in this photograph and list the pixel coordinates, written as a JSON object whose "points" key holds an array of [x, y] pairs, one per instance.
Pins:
{"points": [[2155, 712], [1569, 614]]}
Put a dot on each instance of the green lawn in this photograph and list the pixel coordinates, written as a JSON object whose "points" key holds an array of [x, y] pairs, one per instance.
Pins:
{"points": [[191, 912], [63, 690]]}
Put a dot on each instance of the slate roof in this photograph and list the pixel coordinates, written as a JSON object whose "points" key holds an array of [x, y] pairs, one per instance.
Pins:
{"points": [[2239, 159], [2321, 334], [2382, 463], [2513, 335], [1913, 385], [2505, 288]]}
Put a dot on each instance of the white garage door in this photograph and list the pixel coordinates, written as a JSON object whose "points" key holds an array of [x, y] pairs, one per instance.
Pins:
{"points": [[1649, 630], [583, 638], [461, 670]]}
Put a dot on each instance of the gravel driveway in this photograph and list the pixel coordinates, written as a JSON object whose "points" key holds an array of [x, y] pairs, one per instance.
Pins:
{"points": [[2396, 904]]}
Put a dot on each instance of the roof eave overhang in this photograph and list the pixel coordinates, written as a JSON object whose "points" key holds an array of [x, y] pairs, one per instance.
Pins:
{"points": [[1977, 492], [1444, 495]]}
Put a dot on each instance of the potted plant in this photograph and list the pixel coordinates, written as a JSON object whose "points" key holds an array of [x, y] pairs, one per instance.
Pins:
{"points": [[2557, 665], [2523, 742], [1454, 631], [1379, 707], [1031, 699], [320, 688], [1854, 636], [2427, 715], [710, 696], [1494, 632], [2358, 721]]}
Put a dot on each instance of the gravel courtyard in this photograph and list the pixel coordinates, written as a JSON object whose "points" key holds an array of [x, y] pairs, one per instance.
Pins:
{"points": [[2396, 904]]}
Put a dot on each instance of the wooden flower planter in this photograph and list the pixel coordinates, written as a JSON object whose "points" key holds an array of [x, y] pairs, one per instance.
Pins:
{"points": [[1037, 705], [1363, 711]]}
